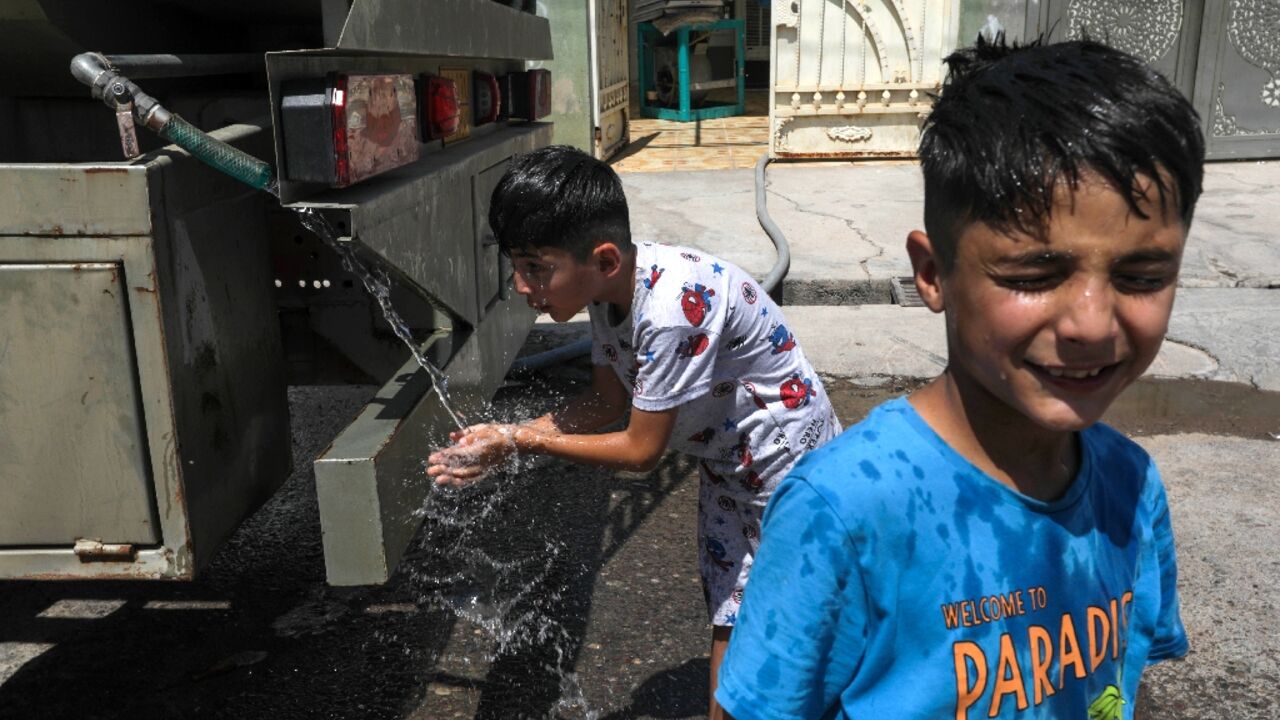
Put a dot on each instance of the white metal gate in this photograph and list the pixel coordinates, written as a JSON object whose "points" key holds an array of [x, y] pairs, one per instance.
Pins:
{"points": [[850, 77], [609, 66]]}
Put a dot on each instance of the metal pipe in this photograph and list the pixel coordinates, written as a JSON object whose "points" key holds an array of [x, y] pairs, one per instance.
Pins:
{"points": [[108, 84], [554, 356], [143, 67], [113, 88]]}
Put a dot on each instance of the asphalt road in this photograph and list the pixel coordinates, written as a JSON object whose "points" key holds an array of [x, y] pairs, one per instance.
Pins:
{"points": [[558, 592]]}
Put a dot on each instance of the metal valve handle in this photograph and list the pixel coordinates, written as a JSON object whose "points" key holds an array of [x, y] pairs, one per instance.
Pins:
{"points": [[118, 92]]}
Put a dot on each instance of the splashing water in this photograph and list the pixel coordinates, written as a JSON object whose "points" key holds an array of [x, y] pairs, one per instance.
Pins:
{"points": [[379, 286], [511, 600], [511, 583], [484, 558]]}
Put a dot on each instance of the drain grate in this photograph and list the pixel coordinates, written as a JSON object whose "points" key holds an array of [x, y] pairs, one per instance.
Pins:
{"points": [[904, 291]]}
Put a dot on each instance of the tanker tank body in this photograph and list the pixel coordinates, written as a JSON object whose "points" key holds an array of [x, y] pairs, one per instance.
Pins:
{"points": [[153, 311]]}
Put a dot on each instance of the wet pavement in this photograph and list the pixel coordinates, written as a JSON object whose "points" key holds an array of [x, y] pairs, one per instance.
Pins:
{"points": [[589, 587], [597, 610]]}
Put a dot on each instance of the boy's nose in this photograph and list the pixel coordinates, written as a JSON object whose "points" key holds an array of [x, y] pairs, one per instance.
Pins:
{"points": [[1089, 314]]}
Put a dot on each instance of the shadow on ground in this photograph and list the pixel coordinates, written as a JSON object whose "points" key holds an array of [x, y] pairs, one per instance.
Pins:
{"points": [[568, 593], [485, 617]]}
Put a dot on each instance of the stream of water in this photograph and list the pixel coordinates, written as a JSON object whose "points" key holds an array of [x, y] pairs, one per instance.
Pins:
{"points": [[378, 285], [510, 599]]}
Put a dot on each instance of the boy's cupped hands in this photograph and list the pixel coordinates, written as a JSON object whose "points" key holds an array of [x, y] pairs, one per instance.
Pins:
{"points": [[476, 451]]}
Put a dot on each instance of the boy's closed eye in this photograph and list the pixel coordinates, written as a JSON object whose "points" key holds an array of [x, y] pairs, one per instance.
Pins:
{"points": [[1032, 282], [1146, 271], [1141, 272], [1033, 270], [1137, 282]]}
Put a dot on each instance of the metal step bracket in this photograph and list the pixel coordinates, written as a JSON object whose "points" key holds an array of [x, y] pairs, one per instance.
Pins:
{"points": [[371, 483]]}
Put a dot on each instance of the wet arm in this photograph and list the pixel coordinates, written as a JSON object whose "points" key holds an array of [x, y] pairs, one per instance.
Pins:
{"points": [[601, 404], [638, 448], [564, 434]]}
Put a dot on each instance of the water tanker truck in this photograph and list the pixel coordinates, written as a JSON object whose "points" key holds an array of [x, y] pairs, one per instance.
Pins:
{"points": [[162, 167]]}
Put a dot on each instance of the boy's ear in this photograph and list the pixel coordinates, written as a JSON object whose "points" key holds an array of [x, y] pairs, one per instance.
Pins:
{"points": [[926, 269], [607, 257]]}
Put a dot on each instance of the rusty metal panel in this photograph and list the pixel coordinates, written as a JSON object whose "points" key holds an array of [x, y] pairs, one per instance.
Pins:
{"points": [[455, 28], [224, 366], [62, 564], [73, 200], [851, 79], [73, 452], [205, 355], [1237, 91], [134, 256]]}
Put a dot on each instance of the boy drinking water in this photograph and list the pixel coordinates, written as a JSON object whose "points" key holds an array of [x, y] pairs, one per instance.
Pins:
{"points": [[984, 547], [684, 345]]}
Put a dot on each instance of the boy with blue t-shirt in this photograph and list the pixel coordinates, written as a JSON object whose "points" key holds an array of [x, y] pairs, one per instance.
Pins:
{"points": [[984, 547], [687, 346]]}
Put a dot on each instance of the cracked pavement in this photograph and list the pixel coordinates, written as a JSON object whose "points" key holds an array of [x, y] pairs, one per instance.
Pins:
{"points": [[847, 223]]}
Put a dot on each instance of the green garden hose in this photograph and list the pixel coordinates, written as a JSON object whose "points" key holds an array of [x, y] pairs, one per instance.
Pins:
{"points": [[221, 156]]}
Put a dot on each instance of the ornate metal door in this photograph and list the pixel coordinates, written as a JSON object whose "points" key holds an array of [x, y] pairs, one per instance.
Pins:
{"points": [[850, 78], [1238, 82], [1223, 54]]}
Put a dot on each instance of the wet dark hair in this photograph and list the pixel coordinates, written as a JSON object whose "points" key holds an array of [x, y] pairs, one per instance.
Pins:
{"points": [[1012, 122], [559, 197]]}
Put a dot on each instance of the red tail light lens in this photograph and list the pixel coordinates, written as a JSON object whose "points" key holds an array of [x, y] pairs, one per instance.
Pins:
{"points": [[342, 166], [438, 100], [381, 125], [345, 128]]}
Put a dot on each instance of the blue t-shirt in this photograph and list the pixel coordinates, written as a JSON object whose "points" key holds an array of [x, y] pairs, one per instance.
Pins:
{"points": [[897, 580]]}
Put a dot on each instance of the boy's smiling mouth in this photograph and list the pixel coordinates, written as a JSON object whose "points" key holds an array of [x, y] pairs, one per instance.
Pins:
{"points": [[1078, 377]]}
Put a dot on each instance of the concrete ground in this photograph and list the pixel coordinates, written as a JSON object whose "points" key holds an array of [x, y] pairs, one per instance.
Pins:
{"points": [[848, 223], [572, 592]]}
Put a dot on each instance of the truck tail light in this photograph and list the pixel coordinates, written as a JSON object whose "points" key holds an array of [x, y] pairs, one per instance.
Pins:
{"points": [[341, 151], [486, 98], [348, 127], [437, 107], [527, 95]]}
